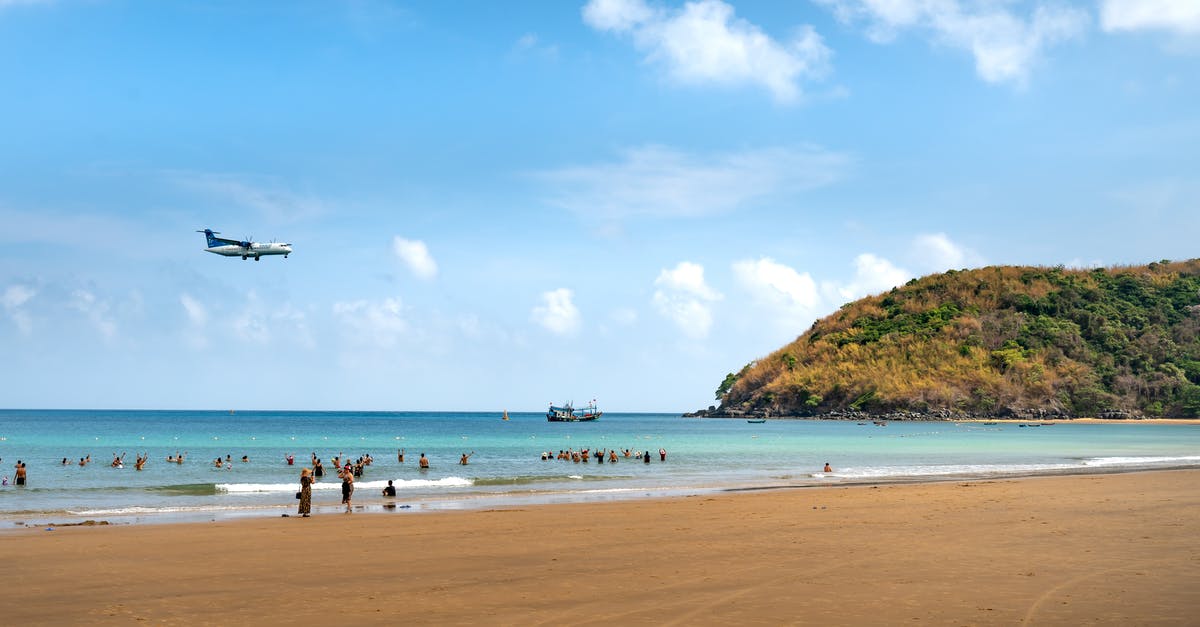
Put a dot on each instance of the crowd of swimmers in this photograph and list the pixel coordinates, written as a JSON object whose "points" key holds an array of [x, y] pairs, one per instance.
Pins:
{"points": [[347, 471], [584, 456]]}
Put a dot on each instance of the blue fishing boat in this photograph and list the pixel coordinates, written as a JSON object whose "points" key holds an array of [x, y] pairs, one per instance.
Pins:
{"points": [[568, 413]]}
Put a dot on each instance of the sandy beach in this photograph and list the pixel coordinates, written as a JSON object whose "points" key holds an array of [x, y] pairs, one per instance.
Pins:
{"points": [[1098, 549]]}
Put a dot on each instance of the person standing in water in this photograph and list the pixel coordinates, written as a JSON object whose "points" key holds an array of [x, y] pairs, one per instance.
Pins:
{"points": [[347, 489]]}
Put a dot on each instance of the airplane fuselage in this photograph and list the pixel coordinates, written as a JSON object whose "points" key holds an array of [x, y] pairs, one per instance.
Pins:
{"points": [[254, 250]]}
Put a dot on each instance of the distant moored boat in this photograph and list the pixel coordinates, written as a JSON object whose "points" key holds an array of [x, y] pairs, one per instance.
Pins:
{"points": [[568, 413]]}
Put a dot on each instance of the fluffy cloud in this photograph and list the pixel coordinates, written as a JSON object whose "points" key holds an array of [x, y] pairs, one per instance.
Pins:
{"points": [[557, 313], [683, 297], [705, 43], [1005, 46], [379, 324], [662, 182], [872, 275], [96, 311], [416, 256], [1180, 16], [15, 297], [937, 253], [616, 15], [792, 295]]}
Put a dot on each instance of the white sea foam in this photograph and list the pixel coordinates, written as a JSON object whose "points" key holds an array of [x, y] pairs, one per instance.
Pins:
{"points": [[1140, 461], [120, 511], [400, 484], [894, 472]]}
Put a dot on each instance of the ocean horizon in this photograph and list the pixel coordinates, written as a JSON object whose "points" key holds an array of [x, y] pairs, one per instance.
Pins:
{"points": [[506, 465]]}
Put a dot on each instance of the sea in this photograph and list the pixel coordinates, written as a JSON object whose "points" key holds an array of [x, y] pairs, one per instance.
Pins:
{"points": [[505, 465]]}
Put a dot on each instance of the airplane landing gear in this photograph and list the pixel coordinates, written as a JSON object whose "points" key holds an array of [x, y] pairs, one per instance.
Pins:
{"points": [[243, 257], [256, 257]]}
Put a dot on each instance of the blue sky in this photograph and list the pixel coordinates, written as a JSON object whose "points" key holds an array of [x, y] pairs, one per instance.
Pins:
{"points": [[499, 205]]}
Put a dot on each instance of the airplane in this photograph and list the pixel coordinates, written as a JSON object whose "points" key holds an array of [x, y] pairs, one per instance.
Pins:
{"points": [[245, 249]]}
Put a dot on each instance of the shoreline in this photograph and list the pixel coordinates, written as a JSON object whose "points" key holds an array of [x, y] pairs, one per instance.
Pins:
{"points": [[1038, 550], [1010, 421], [382, 506]]}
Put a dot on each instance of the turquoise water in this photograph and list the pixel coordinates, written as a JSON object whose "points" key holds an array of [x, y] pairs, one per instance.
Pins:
{"points": [[703, 455]]}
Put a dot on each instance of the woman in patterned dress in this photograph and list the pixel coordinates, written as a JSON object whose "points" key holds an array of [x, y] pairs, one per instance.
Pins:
{"points": [[305, 493]]}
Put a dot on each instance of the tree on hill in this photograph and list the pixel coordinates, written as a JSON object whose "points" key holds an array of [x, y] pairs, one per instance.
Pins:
{"points": [[995, 340]]}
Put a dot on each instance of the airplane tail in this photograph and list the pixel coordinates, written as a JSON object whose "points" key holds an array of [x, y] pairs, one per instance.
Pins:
{"points": [[208, 234]]}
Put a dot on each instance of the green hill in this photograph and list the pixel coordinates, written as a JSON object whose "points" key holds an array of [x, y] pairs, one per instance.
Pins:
{"points": [[997, 341]]}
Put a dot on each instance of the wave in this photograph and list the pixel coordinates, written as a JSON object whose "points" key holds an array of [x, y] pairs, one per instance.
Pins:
{"points": [[531, 479], [897, 472], [195, 509], [185, 489], [400, 484], [1140, 461]]}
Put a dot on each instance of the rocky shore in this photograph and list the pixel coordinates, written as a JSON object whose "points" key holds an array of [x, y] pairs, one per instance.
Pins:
{"points": [[1008, 413]]}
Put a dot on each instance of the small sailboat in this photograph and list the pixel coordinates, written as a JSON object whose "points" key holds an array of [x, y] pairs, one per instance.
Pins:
{"points": [[505, 417]]}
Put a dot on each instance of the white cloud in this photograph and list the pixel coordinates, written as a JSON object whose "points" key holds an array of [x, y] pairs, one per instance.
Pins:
{"points": [[937, 253], [557, 313], [530, 45], [683, 297], [623, 316], [15, 297], [1005, 46], [196, 312], [1157, 197], [616, 15], [872, 275], [791, 295], [416, 256], [198, 315], [705, 43], [96, 310], [1179, 16], [16, 3], [271, 198], [662, 182], [380, 324]]}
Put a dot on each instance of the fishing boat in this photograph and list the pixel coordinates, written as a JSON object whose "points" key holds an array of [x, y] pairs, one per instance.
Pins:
{"points": [[568, 413], [756, 421]]}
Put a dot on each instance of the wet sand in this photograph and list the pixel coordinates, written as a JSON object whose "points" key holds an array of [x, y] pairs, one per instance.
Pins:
{"points": [[1097, 549]]}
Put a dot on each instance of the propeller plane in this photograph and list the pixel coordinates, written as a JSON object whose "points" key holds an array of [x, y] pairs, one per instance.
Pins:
{"points": [[243, 248]]}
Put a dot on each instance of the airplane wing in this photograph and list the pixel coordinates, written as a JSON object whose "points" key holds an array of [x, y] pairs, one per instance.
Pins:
{"points": [[227, 242]]}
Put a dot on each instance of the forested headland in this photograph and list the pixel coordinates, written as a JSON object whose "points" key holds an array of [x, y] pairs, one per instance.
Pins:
{"points": [[993, 342]]}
